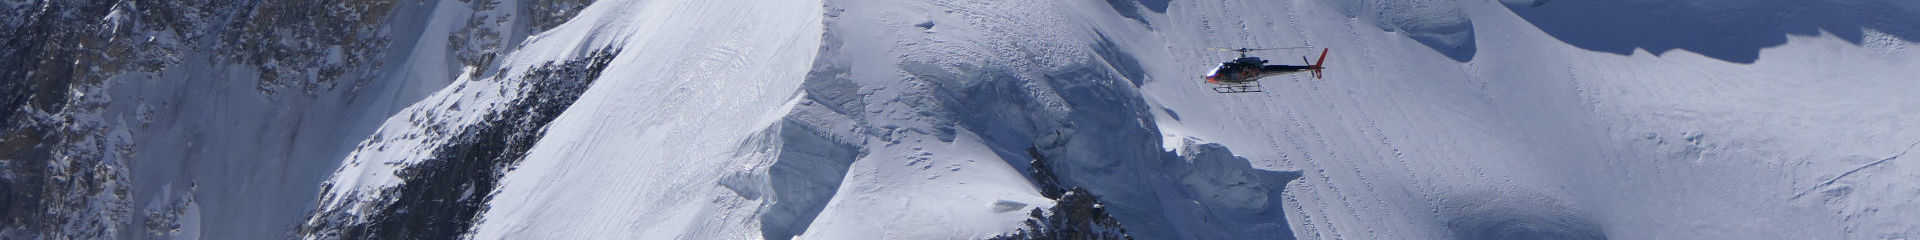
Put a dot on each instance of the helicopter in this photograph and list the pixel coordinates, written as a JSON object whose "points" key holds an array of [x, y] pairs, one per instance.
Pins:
{"points": [[1242, 75]]}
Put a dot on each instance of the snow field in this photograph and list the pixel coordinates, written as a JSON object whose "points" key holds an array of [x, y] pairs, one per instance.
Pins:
{"points": [[1399, 144], [642, 153], [865, 119]]}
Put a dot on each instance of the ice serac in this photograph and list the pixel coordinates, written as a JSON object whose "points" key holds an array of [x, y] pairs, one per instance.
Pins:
{"points": [[818, 141], [1223, 180], [803, 177], [986, 82], [1439, 24]]}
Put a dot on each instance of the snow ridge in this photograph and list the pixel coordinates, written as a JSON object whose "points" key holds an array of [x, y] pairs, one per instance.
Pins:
{"points": [[443, 194], [818, 142]]}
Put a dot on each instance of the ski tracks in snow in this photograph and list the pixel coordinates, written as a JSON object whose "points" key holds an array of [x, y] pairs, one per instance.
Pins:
{"points": [[1830, 181], [1378, 137], [1354, 151]]}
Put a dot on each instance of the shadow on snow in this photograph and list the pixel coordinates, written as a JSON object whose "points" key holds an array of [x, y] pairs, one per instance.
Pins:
{"points": [[1733, 31]]}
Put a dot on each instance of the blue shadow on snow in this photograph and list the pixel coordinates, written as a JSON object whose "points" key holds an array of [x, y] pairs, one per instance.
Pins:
{"points": [[1731, 31]]}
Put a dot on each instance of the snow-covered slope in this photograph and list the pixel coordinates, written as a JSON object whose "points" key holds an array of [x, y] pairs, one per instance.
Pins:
{"points": [[1534, 135], [862, 119]]}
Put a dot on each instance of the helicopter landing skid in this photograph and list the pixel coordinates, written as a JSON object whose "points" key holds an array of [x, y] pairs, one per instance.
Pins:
{"points": [[1251, 87]]}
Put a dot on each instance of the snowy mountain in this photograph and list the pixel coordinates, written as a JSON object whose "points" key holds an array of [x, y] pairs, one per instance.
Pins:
{"points": [[873, 119]]}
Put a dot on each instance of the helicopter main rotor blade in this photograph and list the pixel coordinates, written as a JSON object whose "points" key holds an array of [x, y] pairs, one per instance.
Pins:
{"points": [[1250, 49], [1265, 49]]}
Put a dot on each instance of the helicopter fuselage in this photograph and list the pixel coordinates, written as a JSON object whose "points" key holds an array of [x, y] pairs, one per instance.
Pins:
{"points": [[1248, 69]]}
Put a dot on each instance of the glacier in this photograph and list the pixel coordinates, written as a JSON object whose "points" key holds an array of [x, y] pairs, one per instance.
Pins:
{"points": [[879, 119]]}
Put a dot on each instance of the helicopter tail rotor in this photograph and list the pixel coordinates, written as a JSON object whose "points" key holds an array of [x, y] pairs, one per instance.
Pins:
{"points": [[1317, 65]]}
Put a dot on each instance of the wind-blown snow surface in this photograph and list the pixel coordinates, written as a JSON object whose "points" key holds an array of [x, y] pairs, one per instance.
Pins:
{"points": [[861, 119]]}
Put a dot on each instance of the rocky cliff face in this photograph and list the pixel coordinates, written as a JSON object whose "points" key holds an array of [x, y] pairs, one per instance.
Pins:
{"points": [[79, 106], [64, 173]]}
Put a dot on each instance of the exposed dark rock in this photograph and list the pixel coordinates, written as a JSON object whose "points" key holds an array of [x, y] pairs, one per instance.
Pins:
{"points": [[1076, 213], [441, 197]]}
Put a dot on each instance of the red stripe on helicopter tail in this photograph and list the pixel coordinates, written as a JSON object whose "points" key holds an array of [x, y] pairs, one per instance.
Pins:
{"points": [[1323, 57]]}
